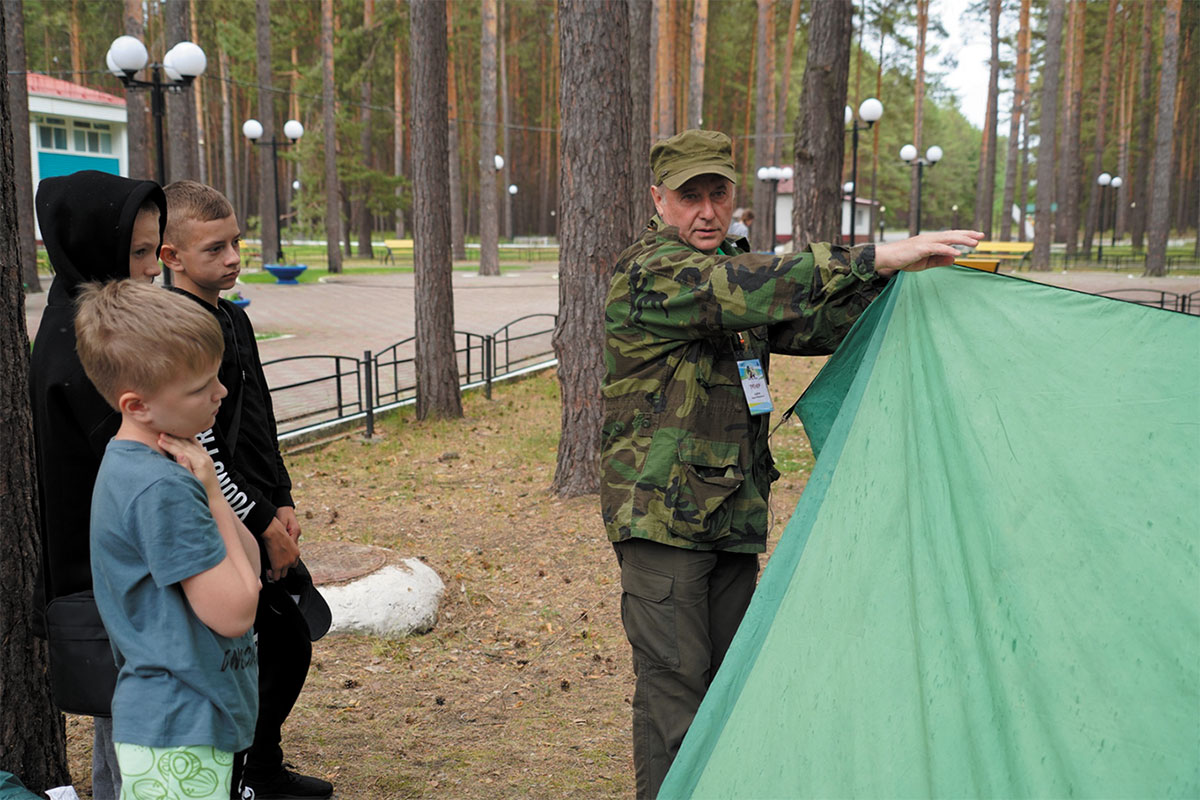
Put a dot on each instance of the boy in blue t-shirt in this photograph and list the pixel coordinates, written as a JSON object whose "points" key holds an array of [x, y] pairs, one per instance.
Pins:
{"points": [[175, 573]]}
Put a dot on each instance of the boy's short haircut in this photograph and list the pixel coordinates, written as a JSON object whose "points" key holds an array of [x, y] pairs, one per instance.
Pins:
{"points": [[192, 201], [134, 336], [148, 205]]}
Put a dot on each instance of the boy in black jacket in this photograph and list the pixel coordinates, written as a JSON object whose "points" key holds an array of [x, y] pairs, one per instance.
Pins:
{"points": [[97, 227], [201, 247]]}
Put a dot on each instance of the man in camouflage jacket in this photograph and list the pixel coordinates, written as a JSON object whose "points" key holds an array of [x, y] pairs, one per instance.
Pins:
{"points": [[686, 467]]}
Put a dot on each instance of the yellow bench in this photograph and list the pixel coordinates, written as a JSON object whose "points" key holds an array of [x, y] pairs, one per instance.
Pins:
{"points": [[1015, 254], [985, 264], [393, 246]]}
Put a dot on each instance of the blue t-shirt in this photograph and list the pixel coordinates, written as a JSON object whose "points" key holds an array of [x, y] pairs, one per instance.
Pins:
{"points": [[179, 683]]}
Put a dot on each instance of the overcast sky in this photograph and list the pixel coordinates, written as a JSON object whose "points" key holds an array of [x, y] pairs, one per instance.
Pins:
{"points": [[970, 41]]}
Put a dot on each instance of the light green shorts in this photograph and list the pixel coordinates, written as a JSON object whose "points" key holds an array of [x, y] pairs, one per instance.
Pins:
{"points": [[199, 772]]}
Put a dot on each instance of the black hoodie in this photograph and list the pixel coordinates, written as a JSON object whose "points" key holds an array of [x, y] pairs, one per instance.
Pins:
{"points": [[87, 224]]}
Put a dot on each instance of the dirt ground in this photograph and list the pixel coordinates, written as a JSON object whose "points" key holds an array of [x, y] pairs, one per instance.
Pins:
{"points": [[523, 688]]}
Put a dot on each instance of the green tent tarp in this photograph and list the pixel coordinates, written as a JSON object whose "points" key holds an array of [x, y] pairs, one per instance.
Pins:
{"points": [[991, 585]]}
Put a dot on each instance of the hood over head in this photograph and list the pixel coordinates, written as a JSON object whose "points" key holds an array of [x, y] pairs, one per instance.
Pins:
{"points": [[87, 220]]}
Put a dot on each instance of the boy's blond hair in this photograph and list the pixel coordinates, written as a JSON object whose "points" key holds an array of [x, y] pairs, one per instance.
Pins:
{"points": [[132, 336], [192, 201]]}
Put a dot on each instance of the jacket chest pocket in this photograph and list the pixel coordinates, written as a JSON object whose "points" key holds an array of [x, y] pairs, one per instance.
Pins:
{"points": [[700, 488]]}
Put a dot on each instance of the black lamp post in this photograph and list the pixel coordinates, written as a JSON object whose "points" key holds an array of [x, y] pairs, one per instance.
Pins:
{"points": [[933, 155], [183, 63], [252, 129], [869, 112], [1116, 184]]}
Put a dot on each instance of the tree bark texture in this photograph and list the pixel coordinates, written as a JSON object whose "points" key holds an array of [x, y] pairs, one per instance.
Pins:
{"points": [[18, 103], [1072, 156], [137, 111], [762, 232], [785, 81], [32, 734], [268, 213], [506, 199], [365, 226], [436, 363], [1159, 223], [398, 123], [1020, 93], [914, 186], [985, 187], [1047, 127], [489, 219], [1139, 186], [183, 152], [695, 112], [820, 124], [1093, 208], [663, 72], [641, 21], [197, 92], [458, 242], [596, 174], [333, 215], [226, 128]]}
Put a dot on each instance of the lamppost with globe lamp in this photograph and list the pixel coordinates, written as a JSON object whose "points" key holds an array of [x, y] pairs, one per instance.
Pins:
{"points": [[869, 112], [183, 63], [908, 153], [773, 175], [508, 219], [252, 129], [1116, 184]]}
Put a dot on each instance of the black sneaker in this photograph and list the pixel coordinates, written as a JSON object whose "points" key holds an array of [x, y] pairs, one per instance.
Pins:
{"points": [[288, 785]]}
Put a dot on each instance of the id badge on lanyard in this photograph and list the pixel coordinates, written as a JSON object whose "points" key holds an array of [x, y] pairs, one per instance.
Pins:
{"points": [[754, 381]]}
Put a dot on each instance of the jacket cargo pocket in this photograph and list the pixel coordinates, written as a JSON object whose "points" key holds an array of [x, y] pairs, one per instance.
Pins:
{"points": [[698, 492], [649, 615]]}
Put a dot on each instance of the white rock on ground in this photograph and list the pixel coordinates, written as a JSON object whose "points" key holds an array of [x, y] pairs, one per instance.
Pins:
{"points": [[396, 600]]}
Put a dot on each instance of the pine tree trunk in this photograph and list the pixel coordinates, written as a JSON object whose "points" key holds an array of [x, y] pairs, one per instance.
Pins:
{"points": [[18, 103], [914, 186], [137, 130], [489, 222], [785, 81], [458, 242], [398, 123], [1047, 127], [267, 181], [1093, 209], [333, 216], [817, 214], [762, 232], [32, 735], [695, 112], [985, 187], [664, 102], [436, 363], [596, 167], [1020, 89], [1072, 154], [641, 21], [1141, 167], [506, 199], [197, 92], [226, 125], [1159, 224], [183, 154], [360, 200], [1066, 113]]}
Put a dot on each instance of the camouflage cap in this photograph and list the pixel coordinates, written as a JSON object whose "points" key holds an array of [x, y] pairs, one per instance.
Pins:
{"points": [[685, 155]]}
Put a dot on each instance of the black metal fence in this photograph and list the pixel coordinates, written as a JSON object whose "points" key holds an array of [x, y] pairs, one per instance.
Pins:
{"points": [[1158, 298], [315, 390]]}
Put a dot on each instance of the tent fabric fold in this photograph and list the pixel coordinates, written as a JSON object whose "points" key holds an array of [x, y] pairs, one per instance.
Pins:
{"points": [[991, 585]]}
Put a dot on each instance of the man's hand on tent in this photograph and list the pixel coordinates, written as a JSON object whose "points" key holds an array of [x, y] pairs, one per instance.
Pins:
{"points": [[922, 252]]}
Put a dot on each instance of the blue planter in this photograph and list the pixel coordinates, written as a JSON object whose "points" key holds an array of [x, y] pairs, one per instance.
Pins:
{"points": [[285, 273]]}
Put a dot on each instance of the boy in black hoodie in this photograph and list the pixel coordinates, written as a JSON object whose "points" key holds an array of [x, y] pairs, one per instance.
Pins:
{"points": [[201, 247], [96, 227]]}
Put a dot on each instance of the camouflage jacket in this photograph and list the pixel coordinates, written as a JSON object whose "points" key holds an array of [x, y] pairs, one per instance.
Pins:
{"points": [[684, 462]]}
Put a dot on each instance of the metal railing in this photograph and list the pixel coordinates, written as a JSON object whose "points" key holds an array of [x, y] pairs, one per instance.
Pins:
{"points": [[318, 390], [1157, 298]]}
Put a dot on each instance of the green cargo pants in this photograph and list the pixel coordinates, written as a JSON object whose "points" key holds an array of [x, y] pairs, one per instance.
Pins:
{"points": [[680, 609]]}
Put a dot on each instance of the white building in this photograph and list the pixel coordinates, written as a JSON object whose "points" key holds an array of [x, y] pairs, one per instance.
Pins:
{"points": [[862, 218], [72, 128]]}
